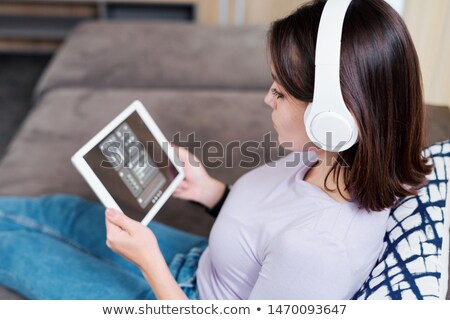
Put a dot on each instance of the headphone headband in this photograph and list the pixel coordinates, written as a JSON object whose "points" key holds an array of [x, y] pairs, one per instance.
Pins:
{"points": [[328, 46], [328, 53], [329, 123]]}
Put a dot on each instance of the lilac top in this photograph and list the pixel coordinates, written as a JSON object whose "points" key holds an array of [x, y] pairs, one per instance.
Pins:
{"points": [[280, 237]]}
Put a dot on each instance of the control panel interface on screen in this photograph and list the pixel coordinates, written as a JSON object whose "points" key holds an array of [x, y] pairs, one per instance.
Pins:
{"points": [[132, 166], [138, 172]]}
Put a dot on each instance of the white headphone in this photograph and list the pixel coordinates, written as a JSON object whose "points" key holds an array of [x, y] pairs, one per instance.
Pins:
{"points": [[329, 124]]}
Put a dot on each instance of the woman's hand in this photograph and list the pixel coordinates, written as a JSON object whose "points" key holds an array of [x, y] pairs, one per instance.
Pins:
{"points": [[132, 240], [197, 185], [137, 243]]}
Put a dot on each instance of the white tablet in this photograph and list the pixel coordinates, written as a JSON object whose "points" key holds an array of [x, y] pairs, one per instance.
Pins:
{"points": [[130, 165]]}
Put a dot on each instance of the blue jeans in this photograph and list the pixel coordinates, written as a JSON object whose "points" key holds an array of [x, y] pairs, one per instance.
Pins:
{"points": [[54, 247]]}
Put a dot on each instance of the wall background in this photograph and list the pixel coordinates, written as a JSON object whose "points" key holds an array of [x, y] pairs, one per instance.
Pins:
{"points": [[429, 25]]}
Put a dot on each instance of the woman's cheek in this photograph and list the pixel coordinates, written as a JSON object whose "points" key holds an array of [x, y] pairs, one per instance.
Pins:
{"points": [[284, 135], [294, 132]]}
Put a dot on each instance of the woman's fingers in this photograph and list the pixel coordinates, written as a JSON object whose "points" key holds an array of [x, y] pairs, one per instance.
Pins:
{"points": [[120, 220], [178, 193], [111, 227], [184, 155], [184, 194], [113, 231], [183, 185]]}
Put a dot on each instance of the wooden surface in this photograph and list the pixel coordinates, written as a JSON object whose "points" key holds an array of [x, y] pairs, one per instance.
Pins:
{"points": [[56, 9], [28, 46], [206, 12], [254, 12]]}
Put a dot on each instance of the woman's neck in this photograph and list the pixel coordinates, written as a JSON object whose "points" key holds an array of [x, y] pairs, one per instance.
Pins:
{"points": [[317, 174]]}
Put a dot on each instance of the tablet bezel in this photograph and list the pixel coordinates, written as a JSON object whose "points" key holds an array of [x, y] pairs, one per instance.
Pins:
{"points": [[94, 182]]}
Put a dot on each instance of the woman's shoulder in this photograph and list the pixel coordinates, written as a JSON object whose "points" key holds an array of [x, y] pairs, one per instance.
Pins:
{"points": [[346, 227]]}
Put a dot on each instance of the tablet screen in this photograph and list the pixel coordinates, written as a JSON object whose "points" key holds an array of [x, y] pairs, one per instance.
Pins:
{"points": [[132, 166]]}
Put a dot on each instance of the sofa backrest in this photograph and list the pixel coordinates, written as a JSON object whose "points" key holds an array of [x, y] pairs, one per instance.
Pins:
{"points": [[159, 55]]}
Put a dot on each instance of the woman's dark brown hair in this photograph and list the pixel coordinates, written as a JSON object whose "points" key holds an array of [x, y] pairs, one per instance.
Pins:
{"points": [[381, 85]]}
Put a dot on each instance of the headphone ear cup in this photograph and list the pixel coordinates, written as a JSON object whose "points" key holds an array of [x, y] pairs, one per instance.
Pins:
{"points": [[329, 130]]}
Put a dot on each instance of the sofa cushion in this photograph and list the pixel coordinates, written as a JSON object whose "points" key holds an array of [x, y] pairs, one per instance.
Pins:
{"points": [[414, 262], [38, 160], [159, 55]]}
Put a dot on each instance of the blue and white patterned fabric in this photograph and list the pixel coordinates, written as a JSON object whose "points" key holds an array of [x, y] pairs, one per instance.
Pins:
{"points": [[414, 260]]}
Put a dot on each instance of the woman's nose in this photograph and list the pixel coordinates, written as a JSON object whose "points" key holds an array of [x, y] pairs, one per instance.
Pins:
{"points": [[269, 100]]}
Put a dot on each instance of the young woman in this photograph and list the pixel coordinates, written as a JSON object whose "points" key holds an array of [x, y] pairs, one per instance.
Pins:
{"points": [[312, 230]]}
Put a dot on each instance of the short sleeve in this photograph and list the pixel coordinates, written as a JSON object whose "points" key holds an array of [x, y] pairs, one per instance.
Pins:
{"points": [[300, 264]]}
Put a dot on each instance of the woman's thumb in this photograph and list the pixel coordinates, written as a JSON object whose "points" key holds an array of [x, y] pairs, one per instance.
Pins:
{"points": [[118, 218]]}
